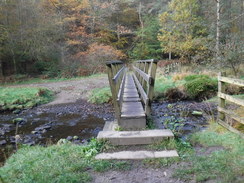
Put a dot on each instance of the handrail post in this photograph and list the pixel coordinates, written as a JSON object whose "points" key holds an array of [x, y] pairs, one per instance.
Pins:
{"points": [[146, 68], [152, 71], [111, 70], [222, 103]]}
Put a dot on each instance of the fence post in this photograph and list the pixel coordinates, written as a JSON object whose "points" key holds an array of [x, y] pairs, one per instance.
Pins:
{"points": [[222, 103]]}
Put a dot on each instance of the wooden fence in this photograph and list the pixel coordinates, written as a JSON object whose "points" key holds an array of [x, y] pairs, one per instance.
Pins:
{"points": [[172, 67], [225, 116]]}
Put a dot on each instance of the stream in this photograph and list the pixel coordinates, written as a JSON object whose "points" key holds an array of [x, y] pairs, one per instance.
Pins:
{"points": [[80, 121]]}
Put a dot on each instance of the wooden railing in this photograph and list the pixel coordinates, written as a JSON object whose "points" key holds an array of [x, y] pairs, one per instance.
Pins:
{"points": [[116, 76], [144, 77], [222, 111]]}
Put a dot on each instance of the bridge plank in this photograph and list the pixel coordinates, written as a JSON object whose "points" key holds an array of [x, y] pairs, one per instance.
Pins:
{"points": [[132, 109]]}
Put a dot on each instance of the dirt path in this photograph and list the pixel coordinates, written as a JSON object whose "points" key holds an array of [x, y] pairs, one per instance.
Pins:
{"points": [[71, 91], [138, 175]]}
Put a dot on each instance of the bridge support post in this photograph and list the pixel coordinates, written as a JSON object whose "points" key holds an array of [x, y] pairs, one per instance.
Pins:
{"points": [[113, 90], [150, 92]]}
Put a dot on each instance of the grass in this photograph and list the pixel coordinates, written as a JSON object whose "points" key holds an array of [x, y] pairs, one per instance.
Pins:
{"points": [[57, 163], [100, 95], [23, 97], [224, 165], [50, 80], [163, 84]]}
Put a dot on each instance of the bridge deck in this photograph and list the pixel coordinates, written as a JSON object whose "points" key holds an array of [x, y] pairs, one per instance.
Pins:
{"points": [[132, 112]]}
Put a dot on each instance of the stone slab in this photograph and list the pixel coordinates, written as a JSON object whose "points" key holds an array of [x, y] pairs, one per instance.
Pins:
{"points": [[110, 125], [135, 137], [136, 155]]}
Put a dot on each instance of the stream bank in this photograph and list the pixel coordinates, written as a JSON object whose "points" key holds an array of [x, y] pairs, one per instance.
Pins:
{"points": [[80, 121], [46, 125]]}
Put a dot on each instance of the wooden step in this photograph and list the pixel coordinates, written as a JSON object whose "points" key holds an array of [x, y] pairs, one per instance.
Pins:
{"points": [[135, 137], [136, 155]]}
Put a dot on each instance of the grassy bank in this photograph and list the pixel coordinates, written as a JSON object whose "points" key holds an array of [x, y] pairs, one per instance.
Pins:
{"points": [[219, 159], [214, 154], [18, 98], [48, 80], [62, 163]]}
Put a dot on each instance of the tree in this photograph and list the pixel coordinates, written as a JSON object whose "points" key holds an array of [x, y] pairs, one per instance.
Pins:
{"points": [[182, 31]]}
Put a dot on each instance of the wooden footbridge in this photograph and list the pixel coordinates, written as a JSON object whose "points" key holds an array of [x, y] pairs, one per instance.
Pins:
{"points": [[132, 92]]}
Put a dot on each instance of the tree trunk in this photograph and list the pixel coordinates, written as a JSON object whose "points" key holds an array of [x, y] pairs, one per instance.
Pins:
{"points": [[140, 16], [218, 33], [1, 70], [242, 19]]}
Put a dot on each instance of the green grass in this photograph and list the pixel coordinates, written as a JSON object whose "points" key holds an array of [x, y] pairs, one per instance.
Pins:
{"points": [[100, 95], [57, 163], [163, 84], [224, 165], [17, 98], [50, 80]]}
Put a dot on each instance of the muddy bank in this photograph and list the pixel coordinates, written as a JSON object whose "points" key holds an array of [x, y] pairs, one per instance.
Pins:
{"points": [[76, 122], [183, 117]]}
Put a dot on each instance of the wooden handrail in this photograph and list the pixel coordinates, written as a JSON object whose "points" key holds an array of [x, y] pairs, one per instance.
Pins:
{"points": [[116, 76], [114, 62], [144, 77], [141, 90], [149, 60]]}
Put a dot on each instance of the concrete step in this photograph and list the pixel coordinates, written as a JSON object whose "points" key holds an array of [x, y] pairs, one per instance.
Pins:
{"points": [[135, 137], [110, 126], [136, 155]]}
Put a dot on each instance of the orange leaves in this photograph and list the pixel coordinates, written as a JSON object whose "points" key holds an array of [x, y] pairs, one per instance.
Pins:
{"points": [[101, 52]]}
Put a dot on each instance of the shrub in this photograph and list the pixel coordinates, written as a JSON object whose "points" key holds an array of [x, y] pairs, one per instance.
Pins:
{"points": [[180, 76], [100, 95], [196, 76], [200, 86], [175, 94], [162, 85]]}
